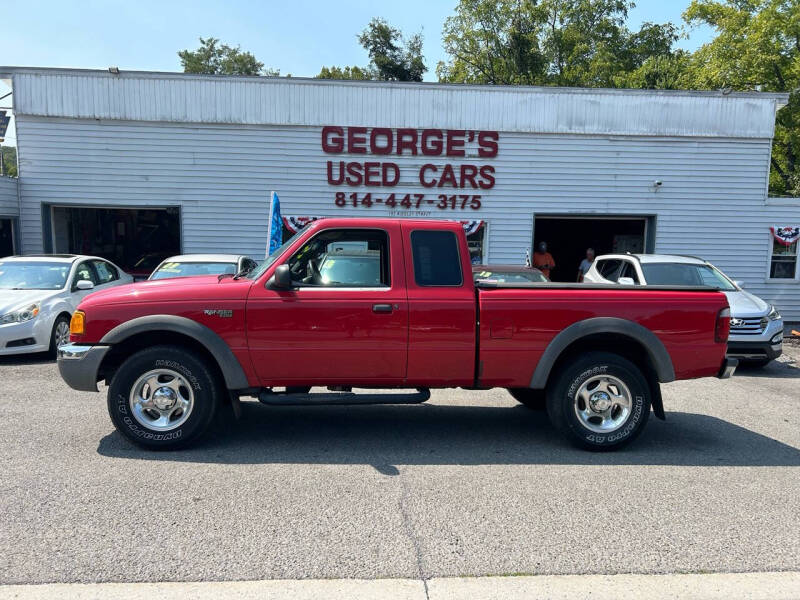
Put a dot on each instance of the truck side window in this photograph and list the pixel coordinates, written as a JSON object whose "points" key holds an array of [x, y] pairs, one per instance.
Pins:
{"points": [[436, 258], [343, 258]]}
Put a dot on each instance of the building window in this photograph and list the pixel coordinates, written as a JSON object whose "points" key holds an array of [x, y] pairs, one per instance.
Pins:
{"points": [[783, 262]]}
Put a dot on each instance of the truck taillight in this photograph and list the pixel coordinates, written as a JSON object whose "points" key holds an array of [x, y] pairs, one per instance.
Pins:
{"points": [[723, 327]]}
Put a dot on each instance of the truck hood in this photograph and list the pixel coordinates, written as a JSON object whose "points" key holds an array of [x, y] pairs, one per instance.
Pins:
{"points": [[178, 289], [744, 304], [13, 299]]}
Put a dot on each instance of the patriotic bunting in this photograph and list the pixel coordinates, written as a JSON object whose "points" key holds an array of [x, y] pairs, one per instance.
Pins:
{"points": [[786, 235]]}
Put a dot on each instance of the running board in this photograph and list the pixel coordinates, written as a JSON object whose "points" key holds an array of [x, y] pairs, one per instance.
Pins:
{"points": [[342, 398]]}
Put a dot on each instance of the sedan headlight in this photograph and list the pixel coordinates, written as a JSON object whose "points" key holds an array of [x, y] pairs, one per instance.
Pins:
{"points": [[21, 315], [773, 315]]}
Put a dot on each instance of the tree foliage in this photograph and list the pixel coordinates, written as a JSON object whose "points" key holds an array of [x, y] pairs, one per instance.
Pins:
{"points": [[214, 58], [392, 56], [8, 154], [756, 47], [548, 42]]}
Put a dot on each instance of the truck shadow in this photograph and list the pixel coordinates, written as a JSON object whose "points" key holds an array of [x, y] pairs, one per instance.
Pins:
{"points": [[385, 436]]}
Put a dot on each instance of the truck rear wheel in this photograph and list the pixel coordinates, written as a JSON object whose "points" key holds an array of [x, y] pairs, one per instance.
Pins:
{"points": [[163, 397], [601, 401], [533, 399]]}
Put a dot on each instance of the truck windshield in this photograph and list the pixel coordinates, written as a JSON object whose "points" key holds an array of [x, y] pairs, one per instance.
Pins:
{"points": [[685, 274], [256, 273], [33, 275]]}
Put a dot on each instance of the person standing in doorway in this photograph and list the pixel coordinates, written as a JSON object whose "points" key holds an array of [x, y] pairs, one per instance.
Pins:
{"points": [[543, 260], [586, 264]]}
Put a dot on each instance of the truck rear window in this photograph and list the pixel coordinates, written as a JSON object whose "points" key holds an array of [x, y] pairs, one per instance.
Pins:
{"points": [[436, 259]]}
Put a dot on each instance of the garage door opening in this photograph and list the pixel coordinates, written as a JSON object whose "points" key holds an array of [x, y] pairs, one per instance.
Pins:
{"points": [[135, 239], [568, 238], [6, 237]]}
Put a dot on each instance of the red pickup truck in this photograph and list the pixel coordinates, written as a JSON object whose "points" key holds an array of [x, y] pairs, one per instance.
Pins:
{"points": [[388, 303]]}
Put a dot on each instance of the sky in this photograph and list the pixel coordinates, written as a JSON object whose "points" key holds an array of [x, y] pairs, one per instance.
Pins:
{"points": [[298, 37]]}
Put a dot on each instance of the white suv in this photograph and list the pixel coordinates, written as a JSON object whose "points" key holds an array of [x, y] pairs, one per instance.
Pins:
{"points": [[756, 326], [39, 293]]}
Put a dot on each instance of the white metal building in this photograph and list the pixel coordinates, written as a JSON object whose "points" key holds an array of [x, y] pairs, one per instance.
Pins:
{"points": [[135, 163]]}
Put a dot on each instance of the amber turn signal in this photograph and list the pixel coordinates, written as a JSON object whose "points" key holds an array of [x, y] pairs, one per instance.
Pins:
{"points": [[77, 325]]}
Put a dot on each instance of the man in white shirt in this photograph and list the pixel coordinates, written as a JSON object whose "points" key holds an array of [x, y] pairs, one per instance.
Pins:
{"points": [[586, 264]]}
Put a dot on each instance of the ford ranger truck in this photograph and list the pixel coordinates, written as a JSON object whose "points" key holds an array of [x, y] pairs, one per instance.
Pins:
{"points": [[388, 303]]}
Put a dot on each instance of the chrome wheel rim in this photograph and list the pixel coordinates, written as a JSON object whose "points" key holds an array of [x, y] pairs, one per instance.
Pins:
{"points": [[161, 400], [61, 333], [603, 403]]}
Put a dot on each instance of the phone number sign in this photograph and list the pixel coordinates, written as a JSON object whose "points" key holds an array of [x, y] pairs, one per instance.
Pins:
{"points": [[448, 182]]}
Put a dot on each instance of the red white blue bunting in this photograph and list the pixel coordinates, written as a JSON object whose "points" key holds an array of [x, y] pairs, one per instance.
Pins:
{"points": [[786, 235], [295, 224]]}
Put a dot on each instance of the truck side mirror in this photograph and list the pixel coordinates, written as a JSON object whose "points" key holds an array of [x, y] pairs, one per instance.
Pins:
{"points": [[282, 278]]}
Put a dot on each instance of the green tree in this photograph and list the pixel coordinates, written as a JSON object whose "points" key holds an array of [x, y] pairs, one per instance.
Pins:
{"points": [[8, 155], [220, 59], [345, 73], [756, 47], [392, 57], [548, 42]]}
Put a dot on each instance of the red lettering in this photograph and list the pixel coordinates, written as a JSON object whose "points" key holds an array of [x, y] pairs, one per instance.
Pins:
{"points": [[332, 139], [487, 144], [340, 179], [448, 177], [357, 140], [377, 132], [468, 173], [432, 142], [487, 173], [354, 173], [372, 174], [455, 142], [407, 140], [385, 169], [422, 180]]}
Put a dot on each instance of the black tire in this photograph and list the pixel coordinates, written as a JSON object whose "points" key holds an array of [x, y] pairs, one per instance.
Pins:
{"points": [[533, 399], [561, 401], [54, 334], [203, 386]]}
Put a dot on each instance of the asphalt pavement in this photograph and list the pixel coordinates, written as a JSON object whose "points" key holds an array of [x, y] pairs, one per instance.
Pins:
{"points": [[467, 484]]}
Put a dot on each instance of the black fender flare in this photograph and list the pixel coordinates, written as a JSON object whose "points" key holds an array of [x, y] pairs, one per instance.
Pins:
{"points": [[656, 352], [235, 378]]}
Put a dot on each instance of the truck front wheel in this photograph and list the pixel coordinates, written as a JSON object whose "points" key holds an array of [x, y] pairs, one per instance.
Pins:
{"points": [[601, 401], [163, 397]]}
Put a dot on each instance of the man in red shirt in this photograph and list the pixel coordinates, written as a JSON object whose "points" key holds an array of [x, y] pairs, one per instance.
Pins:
{"points": [[543, 260]]}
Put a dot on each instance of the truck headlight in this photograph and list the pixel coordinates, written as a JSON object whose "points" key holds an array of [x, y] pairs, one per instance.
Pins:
{"points": [[21, 315], [773, 315]]}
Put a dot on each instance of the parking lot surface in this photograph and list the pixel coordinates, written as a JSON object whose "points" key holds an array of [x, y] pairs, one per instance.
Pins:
{"points": [[467, 484]]}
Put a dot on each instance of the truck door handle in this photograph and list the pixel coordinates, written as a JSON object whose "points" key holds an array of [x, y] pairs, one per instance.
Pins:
{"points": [[381, 308]]}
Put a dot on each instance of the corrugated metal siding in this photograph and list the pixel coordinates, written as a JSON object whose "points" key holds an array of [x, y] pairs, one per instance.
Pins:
{"points": [[9, 202], [281, 101], [711, 202]]}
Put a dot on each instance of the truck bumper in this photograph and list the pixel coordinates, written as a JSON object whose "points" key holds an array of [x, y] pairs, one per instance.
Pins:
{"points": [[79, 364], [728, 367]]}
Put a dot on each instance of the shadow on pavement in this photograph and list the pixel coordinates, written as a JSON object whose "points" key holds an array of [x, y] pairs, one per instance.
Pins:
{"points": [[384, 436], [775, 369], [37, 358]]}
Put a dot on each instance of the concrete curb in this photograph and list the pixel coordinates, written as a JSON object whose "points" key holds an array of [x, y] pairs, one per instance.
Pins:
{"points": [[717, 586]]}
